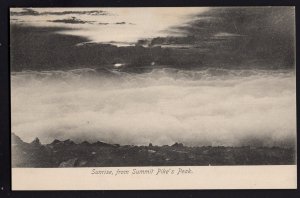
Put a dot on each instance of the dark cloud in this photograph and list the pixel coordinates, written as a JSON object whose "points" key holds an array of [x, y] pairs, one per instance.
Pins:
{"points": [[72, 20], [29, 11], [120, 23], [260, 35], [103, 23], [24, 12], [124, 23], [243, 20], [92, 12]]}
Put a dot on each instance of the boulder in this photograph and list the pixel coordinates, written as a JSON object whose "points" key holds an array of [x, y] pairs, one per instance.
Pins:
{"points": [[68, 163]]}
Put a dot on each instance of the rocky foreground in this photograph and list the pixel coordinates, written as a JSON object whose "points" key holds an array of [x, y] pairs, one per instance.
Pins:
{"points": [[69, 154]]}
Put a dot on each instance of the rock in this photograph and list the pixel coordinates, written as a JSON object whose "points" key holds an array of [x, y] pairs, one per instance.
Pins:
{"points": [[68, 142], [82, 163], [151, 151], [69, 163], [36, 142], [177, 145], [85, 143], [16, 140], [102, 144], [56, 141]]}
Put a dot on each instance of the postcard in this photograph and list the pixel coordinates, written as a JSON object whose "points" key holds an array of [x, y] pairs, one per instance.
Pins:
{"points": [[114, 98]]}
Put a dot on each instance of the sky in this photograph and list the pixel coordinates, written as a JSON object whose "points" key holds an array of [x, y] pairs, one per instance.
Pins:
{"points": [[263, 36], [110, 24]]}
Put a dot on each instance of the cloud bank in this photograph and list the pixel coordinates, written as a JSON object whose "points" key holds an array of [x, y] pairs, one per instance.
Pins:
{"points": [[210, 107]]}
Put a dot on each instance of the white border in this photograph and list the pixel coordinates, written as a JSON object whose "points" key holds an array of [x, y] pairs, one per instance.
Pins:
{"points": [[200, 177]]}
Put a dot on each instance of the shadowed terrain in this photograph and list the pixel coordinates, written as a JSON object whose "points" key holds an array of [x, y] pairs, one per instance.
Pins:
{"points": [[69, 154]]}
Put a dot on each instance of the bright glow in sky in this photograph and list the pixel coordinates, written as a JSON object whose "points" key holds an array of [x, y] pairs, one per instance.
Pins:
{"points": [[139, 22]]}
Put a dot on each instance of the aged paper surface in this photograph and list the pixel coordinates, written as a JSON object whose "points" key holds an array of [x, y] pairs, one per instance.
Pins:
{"points": [[210, 177]]}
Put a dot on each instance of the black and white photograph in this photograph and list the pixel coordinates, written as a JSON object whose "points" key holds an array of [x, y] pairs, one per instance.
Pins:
{"points": [[152, 87]]}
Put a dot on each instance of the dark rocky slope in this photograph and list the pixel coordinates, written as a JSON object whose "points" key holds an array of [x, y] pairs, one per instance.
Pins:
{"points": [[69, 154]]}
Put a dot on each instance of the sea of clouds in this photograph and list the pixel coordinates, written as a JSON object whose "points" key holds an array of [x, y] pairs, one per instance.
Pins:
{"points": [[209, 107]]}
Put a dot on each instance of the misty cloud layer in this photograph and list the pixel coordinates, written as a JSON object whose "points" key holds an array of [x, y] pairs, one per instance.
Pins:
{"points": [[208, 107]]}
